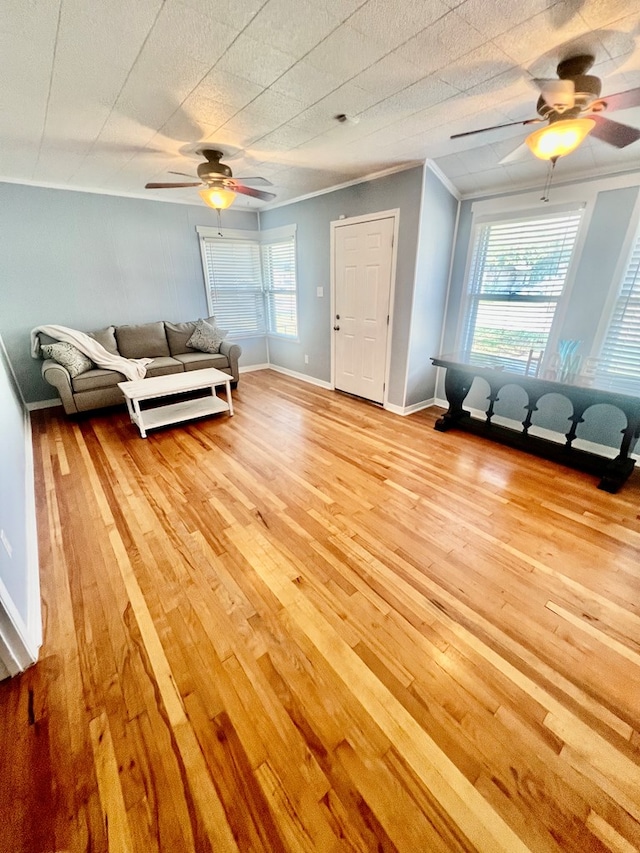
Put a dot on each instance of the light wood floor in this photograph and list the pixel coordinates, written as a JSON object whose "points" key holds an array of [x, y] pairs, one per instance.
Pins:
{"points": [[317, 626]]}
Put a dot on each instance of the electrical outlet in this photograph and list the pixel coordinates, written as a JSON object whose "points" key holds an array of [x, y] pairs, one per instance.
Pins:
{"points": [[6, 543], [320, 291], [306, 359]]}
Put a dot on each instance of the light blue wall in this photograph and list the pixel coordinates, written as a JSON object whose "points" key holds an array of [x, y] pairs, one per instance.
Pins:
{"points": [[596, 270], [313, 217], [86, 261], [437, 230], [13, 489]]}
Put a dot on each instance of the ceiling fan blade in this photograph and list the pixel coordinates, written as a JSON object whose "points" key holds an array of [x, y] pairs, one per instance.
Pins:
{"points": [[623, 100], [240, 188], [613, 132], [560, 95], [153, 186], [184, 174], [496, 127], [258, 182]]}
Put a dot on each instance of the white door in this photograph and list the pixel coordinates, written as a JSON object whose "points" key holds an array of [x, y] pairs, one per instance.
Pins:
{"points": [[363, 253]]}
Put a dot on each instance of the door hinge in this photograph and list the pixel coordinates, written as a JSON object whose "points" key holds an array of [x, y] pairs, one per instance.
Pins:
{"points": [[387, 319], [393, 239]]}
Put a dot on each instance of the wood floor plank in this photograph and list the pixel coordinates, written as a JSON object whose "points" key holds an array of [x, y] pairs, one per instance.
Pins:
{"points": [[111, 795], [318, 626]]}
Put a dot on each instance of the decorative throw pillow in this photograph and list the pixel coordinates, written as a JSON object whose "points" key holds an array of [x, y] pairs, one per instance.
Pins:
{"points": [[206, 338], [68, 356]]}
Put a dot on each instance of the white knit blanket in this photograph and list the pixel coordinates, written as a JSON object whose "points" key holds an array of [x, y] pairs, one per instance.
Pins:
{"points": [[132, 368]]}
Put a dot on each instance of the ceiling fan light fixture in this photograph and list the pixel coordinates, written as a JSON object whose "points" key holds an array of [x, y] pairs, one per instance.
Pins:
{"points": [[559, 138], [217, 197]]}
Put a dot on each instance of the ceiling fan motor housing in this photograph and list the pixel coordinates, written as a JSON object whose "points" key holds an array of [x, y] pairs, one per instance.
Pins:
{"points": [[213, 169], [587, 86], [553, 116], [547, 111], [587, 90]]}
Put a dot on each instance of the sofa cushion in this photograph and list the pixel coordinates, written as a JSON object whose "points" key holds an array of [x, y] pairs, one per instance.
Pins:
{"points": [[206, 337], [164, 365], [147, 340], [177, 336], [106, 338], [179, 333], [69, 357], [97, 378], [203, 360]]}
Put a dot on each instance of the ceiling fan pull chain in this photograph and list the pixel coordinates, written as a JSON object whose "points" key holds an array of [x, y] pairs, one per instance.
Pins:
{"points": [[219, 222], [547, 185]]}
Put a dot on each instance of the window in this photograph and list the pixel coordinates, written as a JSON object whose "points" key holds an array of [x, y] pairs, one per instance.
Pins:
{"points": [[619, 362], [232, 271], [279, 276], [251, 280], [517, 276]]}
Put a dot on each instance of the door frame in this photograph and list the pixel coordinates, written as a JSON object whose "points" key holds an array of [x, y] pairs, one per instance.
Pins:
{"points": [[394, 214]]}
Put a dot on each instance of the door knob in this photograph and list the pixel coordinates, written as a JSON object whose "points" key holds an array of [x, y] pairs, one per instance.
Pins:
{"points": [[336, 328]]}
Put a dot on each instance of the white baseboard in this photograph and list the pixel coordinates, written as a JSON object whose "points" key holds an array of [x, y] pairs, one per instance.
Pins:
{"points": [[249, 368], [43, 404], [320, 383], [4, 672], [408, 410], [17, 651], [549, 434], [303, 376]]}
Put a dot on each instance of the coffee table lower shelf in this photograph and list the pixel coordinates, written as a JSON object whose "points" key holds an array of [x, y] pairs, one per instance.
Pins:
{"points": [[174, 413]]}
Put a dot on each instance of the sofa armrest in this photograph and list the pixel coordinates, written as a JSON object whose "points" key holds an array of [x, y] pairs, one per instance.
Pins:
{"points": [[233, 353], [58, 376]]}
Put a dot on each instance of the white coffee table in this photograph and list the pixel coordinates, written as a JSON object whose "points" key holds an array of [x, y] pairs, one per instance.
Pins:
{"points": [[176, 383]]}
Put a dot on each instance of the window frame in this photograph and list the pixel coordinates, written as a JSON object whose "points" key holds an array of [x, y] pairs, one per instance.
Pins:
{"points": [[627, 251], [497, 212], [259, 239], [270, 237]]}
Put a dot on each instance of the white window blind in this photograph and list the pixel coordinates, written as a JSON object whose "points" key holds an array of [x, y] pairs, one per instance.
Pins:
{"points": [[619, 362], [517, 276], [234, 282], [279, 279]]}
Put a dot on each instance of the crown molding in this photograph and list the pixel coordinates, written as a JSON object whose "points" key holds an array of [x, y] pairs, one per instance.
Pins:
{"points": [[444, 180], [373, 176], [608, 180], [51, 185], [594, 174]]}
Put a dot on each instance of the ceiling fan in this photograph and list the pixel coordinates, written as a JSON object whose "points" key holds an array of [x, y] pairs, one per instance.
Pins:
{"points": [[220, 185], [572, 108]]}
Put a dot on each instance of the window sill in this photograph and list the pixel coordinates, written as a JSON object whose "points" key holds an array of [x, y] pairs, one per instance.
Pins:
{"points": [[274, 337]]}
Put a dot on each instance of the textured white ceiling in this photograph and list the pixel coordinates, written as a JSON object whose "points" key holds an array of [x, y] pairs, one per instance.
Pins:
{"points": [[106, 95]]}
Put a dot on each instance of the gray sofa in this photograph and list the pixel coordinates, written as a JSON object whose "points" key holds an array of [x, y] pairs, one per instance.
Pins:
{"points": [[164, 342]]}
